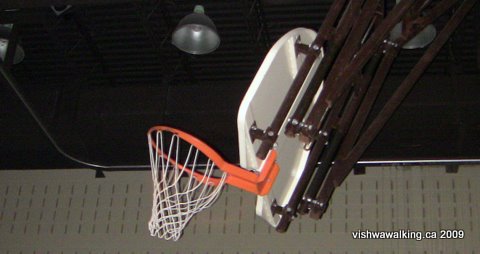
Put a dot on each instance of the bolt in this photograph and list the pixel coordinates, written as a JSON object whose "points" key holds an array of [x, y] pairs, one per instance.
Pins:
{"points": [[307, 146], [315, 47], [294, 121], [270, 133]]}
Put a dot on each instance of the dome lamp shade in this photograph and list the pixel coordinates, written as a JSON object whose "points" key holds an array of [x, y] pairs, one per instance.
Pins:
{"points": [[196, 33], [421, 40], [19, 55]]}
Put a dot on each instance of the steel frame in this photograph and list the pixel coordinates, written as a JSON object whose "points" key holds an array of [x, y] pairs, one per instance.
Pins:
{"points": [[353, 75]]}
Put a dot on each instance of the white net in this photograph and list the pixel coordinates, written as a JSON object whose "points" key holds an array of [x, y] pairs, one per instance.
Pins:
{"points": [[185, 182]]}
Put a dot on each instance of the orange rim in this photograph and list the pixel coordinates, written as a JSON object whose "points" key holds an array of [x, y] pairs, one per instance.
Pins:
{"points": [[257, 183]]}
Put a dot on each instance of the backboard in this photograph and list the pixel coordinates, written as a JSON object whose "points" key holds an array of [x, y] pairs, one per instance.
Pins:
{"points": [[260, 105]]}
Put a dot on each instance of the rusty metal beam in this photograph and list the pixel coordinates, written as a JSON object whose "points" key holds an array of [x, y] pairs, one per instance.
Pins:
{"points": [[335, 124], [341, 127], [369, 100], [353, 43], [320, 149], [343, 165], [360, 28], [324, 34], [349, 73], [338, 43], [391, 51]]}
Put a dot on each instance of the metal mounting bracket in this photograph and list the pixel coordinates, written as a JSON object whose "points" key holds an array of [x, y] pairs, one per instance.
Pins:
{"points": [[264, 135], [287, 213]]}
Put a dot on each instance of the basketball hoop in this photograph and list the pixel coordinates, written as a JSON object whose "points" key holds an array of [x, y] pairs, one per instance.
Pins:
{"points": [[188, 177]]}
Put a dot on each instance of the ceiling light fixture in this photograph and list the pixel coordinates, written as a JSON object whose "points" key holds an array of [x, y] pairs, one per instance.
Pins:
{"points": [[60, 9], [5, 30], [196, 33], [421, 40]]}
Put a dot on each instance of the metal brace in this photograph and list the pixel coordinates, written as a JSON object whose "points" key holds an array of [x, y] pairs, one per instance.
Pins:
{"points": [[264, 135], [308, 132], [388, 44], [301, 48], [317, 208], [282, 210], [276, 208]]}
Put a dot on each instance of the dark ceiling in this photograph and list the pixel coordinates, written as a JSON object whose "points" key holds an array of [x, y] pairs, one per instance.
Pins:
{"points": [[101, 74]]}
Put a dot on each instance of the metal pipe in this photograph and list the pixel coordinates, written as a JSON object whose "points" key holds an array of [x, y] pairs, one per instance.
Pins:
{"points": [[8, 78]]}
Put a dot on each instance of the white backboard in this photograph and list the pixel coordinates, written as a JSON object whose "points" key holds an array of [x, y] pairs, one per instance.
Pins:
{"points": [[260, 105]]}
